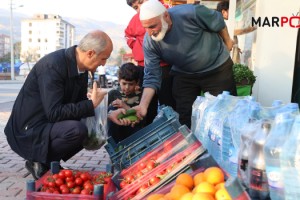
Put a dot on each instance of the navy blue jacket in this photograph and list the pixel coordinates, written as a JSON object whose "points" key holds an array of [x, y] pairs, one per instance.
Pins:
{"points": [[52, 92]]}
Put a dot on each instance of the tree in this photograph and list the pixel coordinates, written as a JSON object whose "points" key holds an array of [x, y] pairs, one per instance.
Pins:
{"points": [[121, 52]]}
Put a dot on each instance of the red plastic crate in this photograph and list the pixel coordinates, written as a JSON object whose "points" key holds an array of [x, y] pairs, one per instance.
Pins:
{"points": [[181, 160], [37, 195]]}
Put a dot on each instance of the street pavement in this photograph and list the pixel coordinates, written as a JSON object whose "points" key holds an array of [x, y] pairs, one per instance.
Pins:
{"points": [[13, 174]]}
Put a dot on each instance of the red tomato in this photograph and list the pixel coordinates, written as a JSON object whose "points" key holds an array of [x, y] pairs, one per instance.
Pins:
{"points": [[55, 176], [141, 166], [59, 182], [76, 190], [61, 174], [88, 186], [65, 191], [71, 184], [86, 192], [150, 164], [63, 186], [142, 189], [129, 178], [51, 184], [68, 173], [139, 174], [85, 176], [154, 180], [78, 181], [71, 178], [123, 184]]}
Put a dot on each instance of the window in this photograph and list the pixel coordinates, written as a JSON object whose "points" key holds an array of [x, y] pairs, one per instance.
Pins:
{"points": [[39, 40], [30, 40], [30, 32], [30, 24], [46, 40]]}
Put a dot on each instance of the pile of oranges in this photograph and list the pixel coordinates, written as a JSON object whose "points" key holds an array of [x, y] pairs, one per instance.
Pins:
{"points": [[207, 185]]}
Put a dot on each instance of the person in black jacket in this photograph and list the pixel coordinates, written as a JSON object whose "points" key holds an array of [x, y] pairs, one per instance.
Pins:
{"points": [[45, 125]]}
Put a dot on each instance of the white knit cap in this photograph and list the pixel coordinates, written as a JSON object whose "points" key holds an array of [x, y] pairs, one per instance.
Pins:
{"points": [[151, 9]]}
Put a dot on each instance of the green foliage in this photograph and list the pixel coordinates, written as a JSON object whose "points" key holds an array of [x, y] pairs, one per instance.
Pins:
{"points": [[242, 73]]}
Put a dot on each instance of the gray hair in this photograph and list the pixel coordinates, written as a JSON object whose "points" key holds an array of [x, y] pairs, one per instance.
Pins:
{"points": [[96, 40]]}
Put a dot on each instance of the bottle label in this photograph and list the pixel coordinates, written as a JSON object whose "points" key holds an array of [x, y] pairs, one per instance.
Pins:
{"points": [[215, 131], [258, 180], [274, 177]]}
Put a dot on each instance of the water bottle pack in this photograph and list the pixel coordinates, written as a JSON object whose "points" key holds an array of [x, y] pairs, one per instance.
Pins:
{"points": [[257, 144]]}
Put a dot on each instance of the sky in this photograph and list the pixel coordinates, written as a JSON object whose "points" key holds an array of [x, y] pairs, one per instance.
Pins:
{"points": [[116, 11]]}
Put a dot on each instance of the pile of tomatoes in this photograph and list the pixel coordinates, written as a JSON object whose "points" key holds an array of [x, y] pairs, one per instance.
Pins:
{"points": [[73, 182]]}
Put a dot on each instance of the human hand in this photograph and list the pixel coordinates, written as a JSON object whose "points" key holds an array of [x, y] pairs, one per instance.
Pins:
{"points": [[113, 116], [141, 111], [118, 103], [97, 94]]}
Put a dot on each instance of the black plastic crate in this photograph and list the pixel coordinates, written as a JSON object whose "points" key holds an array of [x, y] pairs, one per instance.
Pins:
{"points": [[128, 151]]}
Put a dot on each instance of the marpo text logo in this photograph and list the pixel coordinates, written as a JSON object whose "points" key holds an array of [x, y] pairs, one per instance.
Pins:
{"points": [[292, 21]]}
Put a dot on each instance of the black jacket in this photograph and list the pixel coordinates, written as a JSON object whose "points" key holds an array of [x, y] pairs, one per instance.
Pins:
{"points": [[52, 92]]}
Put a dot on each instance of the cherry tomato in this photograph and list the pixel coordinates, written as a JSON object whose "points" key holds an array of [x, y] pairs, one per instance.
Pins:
{"points": [[61, 174], [78, 181], [139, 174], [141, 166], [68, 173], [59, 182], [154, 180], [65, 191], [129, 178], [63, 186], [71, 178], [86, 192], [76, 190], [123, 184], [150, 164], [85, 176], [70, 184], [51, 184]]}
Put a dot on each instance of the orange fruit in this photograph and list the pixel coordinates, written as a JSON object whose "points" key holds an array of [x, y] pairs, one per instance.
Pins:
{"points": [[222, 194], [167, 196], [220, 186], [155, 196], [187, 196], [178, 191], [202, 196], [214, 175], [205, 187], [198, 178], [186, 180]]}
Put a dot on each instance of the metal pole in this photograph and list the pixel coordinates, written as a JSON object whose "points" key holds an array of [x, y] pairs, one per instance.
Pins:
{"points": [[12, 63]]}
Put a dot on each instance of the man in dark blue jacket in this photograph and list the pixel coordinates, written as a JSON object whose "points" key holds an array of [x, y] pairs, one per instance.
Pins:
{"points": [[45, 124]]}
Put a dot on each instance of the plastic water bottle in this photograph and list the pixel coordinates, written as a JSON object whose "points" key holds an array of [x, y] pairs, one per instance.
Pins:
{"points": [[280, 131], [196, 112], [290, 163], [199, 129], [214, 127], [228, 149], [289, 107], [258, 182]]}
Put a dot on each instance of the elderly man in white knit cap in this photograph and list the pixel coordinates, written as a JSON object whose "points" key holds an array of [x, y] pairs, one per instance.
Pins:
{"points": [[195, 41]]}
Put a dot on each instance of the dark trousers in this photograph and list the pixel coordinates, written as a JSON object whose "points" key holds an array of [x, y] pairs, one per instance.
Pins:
{"points": [[66, 138], [163, 96], [186, 88]]}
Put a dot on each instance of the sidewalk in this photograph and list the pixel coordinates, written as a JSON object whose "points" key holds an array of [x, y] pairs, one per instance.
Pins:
{"points": [[13, 172]]}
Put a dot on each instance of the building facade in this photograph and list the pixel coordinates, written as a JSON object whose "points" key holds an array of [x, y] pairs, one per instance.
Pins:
{"points": [[44, 33], [4, 45]]}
